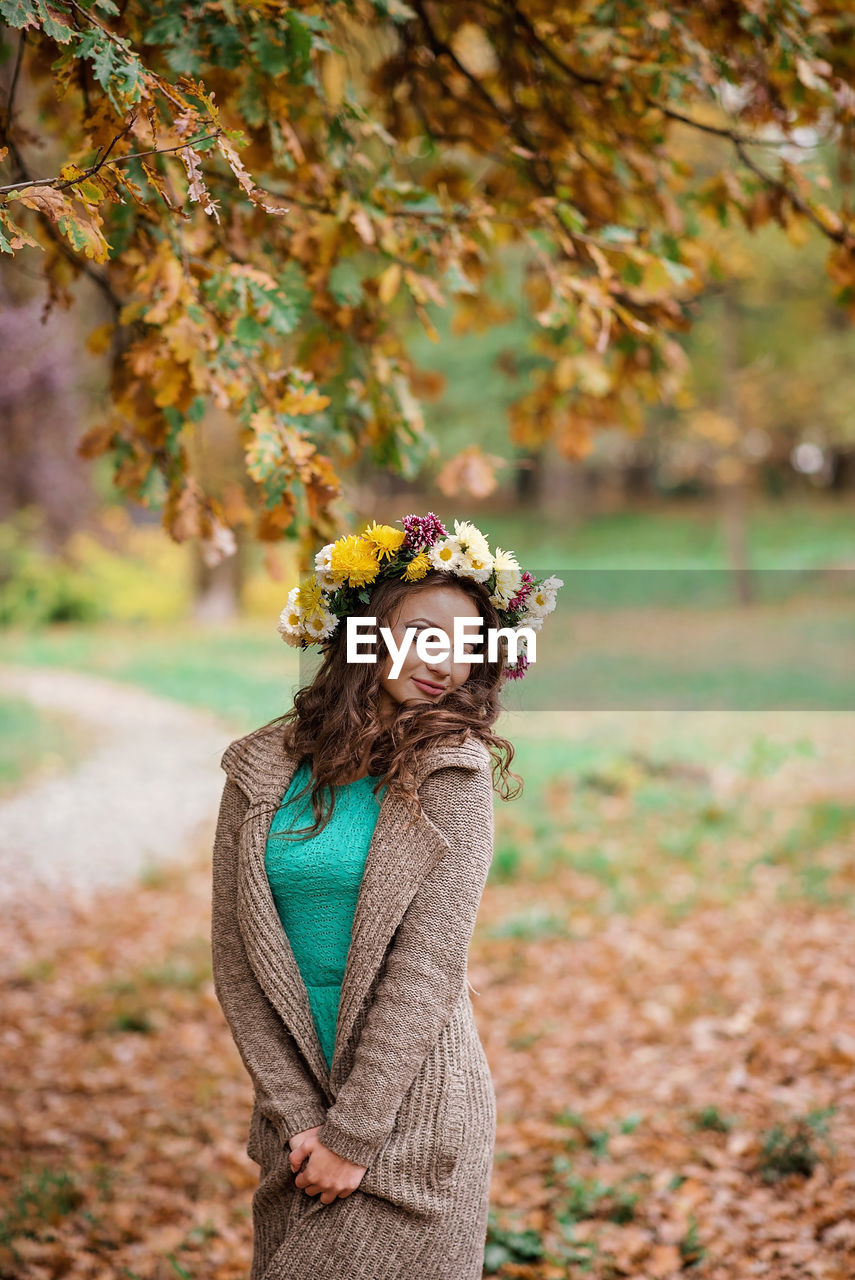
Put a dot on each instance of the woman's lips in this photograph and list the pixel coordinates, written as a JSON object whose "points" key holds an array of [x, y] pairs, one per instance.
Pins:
{"points": [[434, 689]]}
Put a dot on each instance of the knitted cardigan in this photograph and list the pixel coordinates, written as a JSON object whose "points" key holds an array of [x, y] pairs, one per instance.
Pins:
{"points": [[409, 1092]]}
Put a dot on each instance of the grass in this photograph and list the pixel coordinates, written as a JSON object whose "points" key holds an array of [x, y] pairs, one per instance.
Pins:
{"points": [[775, 656], [242, 672], [627, 825], [646, 618], [34, 742], [795, 1147], [606, 828], [42, 1197], [592, 800], [798, 534]]}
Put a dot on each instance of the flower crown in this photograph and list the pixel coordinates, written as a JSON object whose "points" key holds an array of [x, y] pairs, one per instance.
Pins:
{"points": [[345, 569]]}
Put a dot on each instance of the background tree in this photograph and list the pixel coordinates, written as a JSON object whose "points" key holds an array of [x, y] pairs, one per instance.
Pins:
{"points": [[263, 195]]}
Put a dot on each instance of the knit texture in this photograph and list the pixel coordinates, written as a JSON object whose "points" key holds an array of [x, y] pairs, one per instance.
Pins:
{"points": [[409, 1092], [315, 880]]}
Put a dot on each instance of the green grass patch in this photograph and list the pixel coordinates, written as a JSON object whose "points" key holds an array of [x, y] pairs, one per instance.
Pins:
{"points": [[711, 1118], [42, 1198], [36, 742], [504, 1245], [795, 1147], [242, 671], [616, 829]]}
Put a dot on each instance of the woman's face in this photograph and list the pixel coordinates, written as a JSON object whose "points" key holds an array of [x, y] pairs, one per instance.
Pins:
{"points": [[420, 681]]}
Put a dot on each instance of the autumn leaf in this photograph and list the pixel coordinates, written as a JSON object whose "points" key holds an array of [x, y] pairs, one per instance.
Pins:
{"points": [[470, 472], [196, 183], [13, 237], [77, 224]]}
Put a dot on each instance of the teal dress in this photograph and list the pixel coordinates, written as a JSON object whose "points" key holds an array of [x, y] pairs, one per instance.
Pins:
{"points": [[315, 883]]}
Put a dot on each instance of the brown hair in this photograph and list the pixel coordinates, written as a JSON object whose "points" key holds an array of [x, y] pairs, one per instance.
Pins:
{"points": [[335, 718]]}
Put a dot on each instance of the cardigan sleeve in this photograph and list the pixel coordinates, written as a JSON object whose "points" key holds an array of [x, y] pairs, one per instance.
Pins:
{"points": [[425, 972], [286, 1092]]}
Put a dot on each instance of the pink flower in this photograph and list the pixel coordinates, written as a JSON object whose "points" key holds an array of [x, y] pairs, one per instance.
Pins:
{"points": [[517, 672], [422, 531], [523, 593]]}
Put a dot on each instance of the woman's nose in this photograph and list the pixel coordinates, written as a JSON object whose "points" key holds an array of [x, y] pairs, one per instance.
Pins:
{"points": [[440, 665]]}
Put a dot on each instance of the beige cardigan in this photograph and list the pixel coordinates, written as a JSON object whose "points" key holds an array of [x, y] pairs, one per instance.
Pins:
{"points": [[409, 1092]]}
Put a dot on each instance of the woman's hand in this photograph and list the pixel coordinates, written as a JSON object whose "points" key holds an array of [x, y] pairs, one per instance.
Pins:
{"points": [[296, 1139], [324, 1171]]}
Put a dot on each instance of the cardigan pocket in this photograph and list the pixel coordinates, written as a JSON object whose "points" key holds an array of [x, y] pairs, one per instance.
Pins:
{"points": [[416, 1167], [450, 1138]]}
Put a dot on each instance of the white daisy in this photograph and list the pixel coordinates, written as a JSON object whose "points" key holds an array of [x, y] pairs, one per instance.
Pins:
{"points": [[323, 572], [319, 624], [549, 588], [508, 578], [446, 554], [290, 625], [472, 540], [475, 565], [542, 599]]}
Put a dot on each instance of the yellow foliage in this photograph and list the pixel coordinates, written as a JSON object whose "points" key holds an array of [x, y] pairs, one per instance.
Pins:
{"points": [[144, 579], [715, 427], [389, 282]]}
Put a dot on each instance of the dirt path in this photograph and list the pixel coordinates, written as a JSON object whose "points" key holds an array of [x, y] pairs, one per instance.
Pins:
{"points": [[141, 797]]}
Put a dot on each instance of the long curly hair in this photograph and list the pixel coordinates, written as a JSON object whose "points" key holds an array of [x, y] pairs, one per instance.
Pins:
{"points": [[336, 720]]}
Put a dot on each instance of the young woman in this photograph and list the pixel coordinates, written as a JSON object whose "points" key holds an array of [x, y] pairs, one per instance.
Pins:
{"points": [[353, 843]]}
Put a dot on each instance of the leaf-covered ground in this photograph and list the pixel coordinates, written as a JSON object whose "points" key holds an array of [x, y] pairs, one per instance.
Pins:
{"points": [[663, 964]]}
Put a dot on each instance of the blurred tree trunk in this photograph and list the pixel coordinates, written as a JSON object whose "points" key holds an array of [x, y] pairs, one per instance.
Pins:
{"points": [[218, 590], [528, 477], [566, 488], [216, 456], [732, 485], [42, 414]]}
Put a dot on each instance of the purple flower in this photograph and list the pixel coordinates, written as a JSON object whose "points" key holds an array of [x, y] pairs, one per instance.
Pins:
{"points": [[517, 672], [523, 593], [422, 531]]}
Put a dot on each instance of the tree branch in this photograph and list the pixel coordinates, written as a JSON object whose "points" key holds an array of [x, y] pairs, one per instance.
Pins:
{"points": [[62, 183], [737, 140], [64, 247], [843, 236], [720, 131], [13, 86], [514, 124]]}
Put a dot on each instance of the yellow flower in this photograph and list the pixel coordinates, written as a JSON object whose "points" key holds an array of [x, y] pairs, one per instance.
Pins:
{"points": [[385, 540], [355, 558], [311, 597], [417, 568]]}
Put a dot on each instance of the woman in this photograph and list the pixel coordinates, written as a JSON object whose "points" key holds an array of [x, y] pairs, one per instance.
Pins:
{"points": [[340, 944]]}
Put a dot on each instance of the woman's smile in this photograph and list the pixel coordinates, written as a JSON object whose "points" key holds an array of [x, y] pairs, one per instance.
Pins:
{"points": [[428, 686]]}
